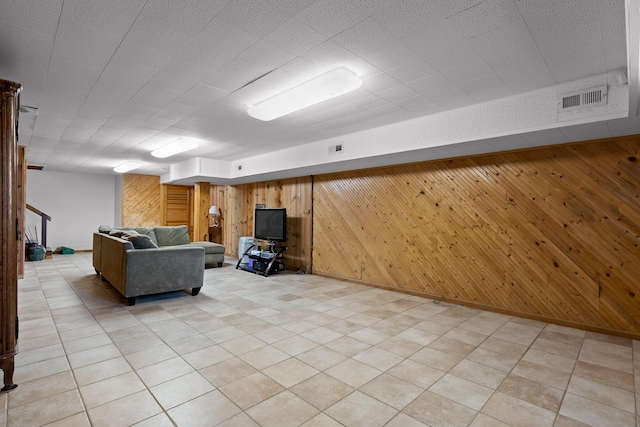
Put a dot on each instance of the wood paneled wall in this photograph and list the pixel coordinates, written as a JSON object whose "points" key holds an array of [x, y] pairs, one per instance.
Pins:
{"points": [[237, 204], [141, 202], [549, 233]]}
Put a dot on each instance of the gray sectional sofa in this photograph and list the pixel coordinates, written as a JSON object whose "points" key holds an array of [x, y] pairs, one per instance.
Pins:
{"points": [[148, 260]]}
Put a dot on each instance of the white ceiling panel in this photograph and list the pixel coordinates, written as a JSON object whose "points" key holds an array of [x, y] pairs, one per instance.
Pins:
{"points": [[330, 17], [112, 16], [35, 15], [365, 37], [446, 48], [412, 71], [404, 18], [561, 31], [294, 37], [256, 17], [485, 17], [134, 73]]}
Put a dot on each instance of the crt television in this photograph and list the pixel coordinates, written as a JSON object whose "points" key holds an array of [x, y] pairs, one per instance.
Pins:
{"points": [[271, 224]]}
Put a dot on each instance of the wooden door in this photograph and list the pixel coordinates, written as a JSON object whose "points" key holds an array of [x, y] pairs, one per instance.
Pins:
{"points": [[177, 206], [10, 226]]}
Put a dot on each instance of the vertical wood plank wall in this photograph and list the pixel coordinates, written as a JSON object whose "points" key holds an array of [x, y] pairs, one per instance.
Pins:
{"points": [[237, 204], [141, 202], [549, 233]]}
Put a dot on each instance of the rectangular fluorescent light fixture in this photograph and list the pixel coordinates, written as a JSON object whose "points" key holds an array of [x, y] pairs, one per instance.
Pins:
{"points": [[327, 86], [127, 166], [174, 148]]}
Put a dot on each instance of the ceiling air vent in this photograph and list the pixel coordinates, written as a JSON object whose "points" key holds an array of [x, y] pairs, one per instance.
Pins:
{"points": [[592, 97]]}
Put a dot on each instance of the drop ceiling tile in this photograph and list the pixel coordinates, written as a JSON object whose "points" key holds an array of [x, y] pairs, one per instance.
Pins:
{"points": [[330, 17], [151, 45], [256, 17], [613, 34], [180, 74], [450, 97], [330, 55], [77, 134], [398, 93], [201, 96], [507, 47], [445, 49], [430, 84], [412, 71], [481, 84], [33, 14], [20, 44], [379, 83], [85, 45], [106, 135], [471, 71], [216, 44], [155, 95], [451, 7], [365, 37], [417, 103], [31, 78], [292, 7], [404, 18], [113, 16], [186, 18], [564, 33], [486, 16], [392, 56], [527, 77], [294, 37]]}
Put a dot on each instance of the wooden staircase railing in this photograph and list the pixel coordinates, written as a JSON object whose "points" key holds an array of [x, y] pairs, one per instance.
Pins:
{"points": [[45, 218]]}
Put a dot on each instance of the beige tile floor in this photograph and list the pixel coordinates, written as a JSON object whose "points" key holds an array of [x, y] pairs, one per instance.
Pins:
{"points": [[300, 350]]}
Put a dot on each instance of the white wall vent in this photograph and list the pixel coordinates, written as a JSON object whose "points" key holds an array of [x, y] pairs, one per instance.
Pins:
{"points": [[592, 97]]}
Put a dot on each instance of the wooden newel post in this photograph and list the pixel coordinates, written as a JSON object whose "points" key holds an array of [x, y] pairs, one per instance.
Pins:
{"points": [[10, 235]]}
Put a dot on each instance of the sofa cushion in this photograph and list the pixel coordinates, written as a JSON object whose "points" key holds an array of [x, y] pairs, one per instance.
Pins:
{"points": [[172, 235], [147, 231], [209, 247]]}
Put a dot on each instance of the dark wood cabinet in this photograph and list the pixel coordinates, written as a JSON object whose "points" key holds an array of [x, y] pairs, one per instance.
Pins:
{"points": [[10, 228]]}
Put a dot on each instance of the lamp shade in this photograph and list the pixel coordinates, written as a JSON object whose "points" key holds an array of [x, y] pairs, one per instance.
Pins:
{"points": [[214, 211]]}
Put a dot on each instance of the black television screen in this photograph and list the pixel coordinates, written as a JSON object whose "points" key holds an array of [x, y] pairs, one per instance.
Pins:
{"points": [[271, 224]]}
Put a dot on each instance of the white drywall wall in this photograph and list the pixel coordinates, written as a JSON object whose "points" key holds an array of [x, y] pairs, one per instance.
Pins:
{"points": [[77, 204]]}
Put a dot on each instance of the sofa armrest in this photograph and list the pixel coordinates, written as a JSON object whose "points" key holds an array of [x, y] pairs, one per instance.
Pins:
{"points": [[164, 269]]}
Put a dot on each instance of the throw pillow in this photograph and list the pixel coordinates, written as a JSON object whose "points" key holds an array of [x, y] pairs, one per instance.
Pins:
{"points": [[116, 233], [105, 229], [142, 241]]}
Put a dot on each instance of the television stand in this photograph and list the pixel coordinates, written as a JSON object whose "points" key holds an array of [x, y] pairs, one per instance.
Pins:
{"points": [[262, 262]]}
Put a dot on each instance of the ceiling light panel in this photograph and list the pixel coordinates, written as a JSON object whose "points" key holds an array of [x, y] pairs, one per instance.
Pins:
{"points": [[127, 166], [174, 148], [322, 88]]}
